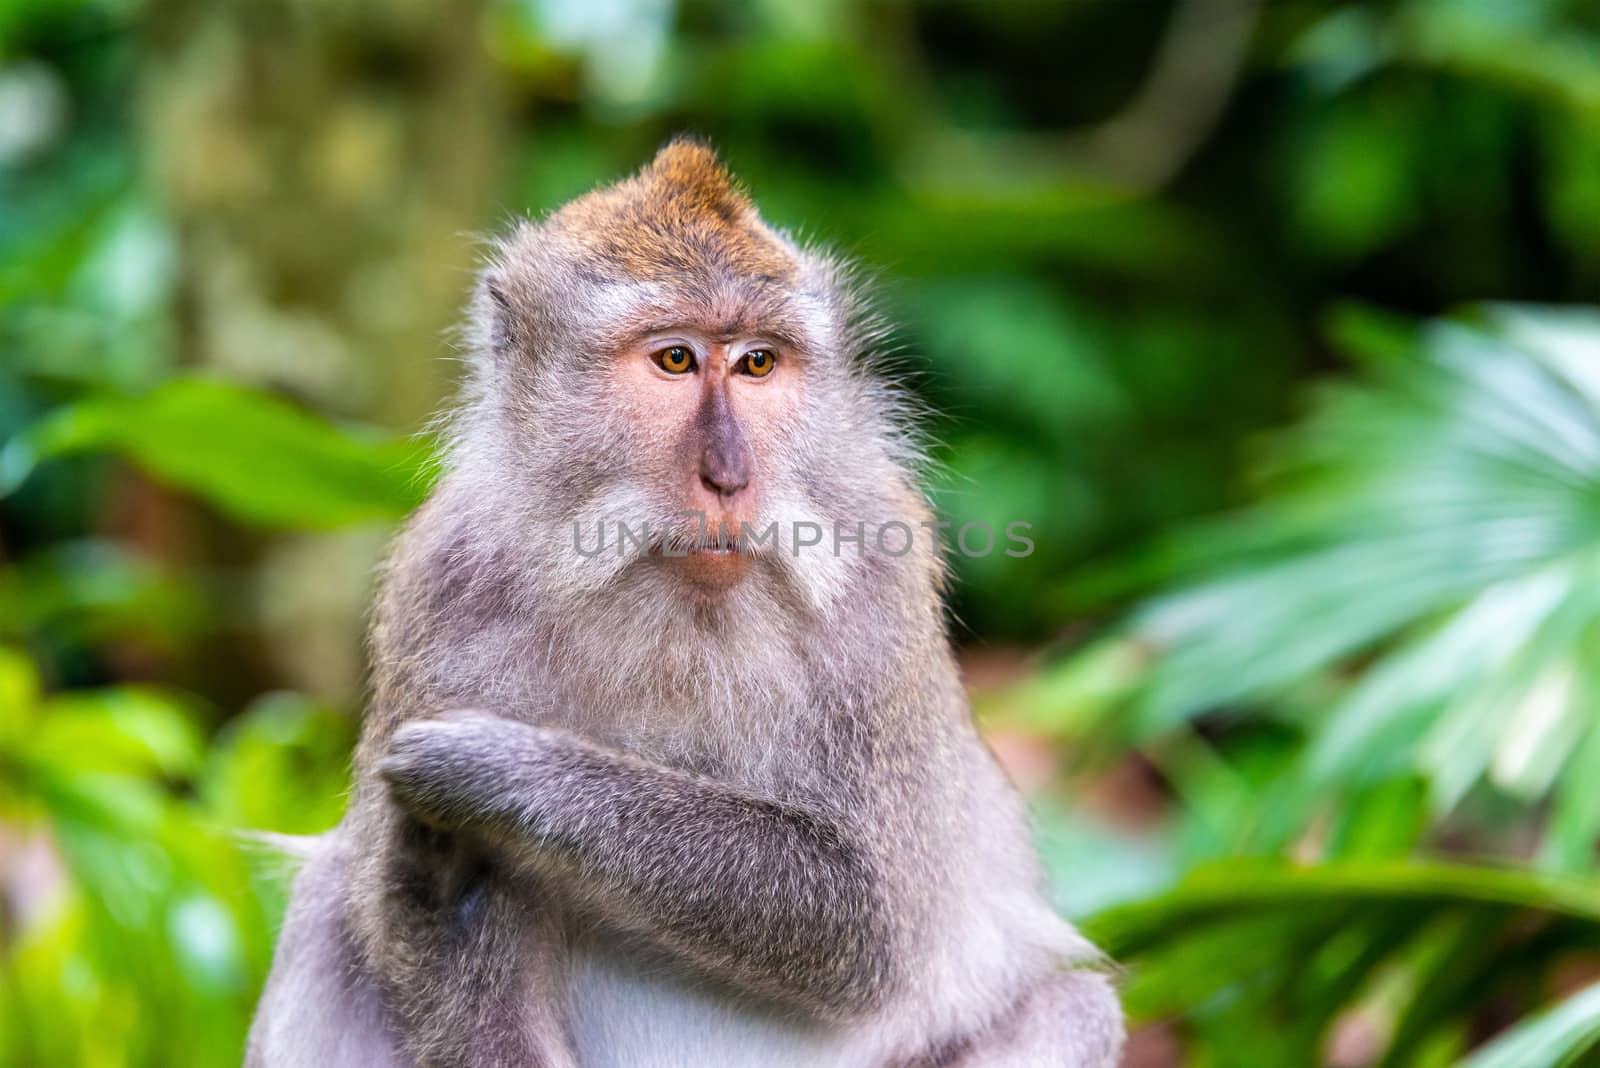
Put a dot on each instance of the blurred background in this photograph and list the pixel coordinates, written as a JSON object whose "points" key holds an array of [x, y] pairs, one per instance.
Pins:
{"points": [[1279, 321]]}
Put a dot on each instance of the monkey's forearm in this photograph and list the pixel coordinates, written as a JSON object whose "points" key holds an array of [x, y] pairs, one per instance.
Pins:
{"points": [[771, 896]]}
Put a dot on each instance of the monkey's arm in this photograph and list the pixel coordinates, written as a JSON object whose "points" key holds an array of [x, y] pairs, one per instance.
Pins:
{"points": [[774, 897]]}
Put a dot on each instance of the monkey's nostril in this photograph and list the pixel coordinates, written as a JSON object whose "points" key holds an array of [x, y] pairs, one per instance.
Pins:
{"points": [[722, 474], [722, 484]]}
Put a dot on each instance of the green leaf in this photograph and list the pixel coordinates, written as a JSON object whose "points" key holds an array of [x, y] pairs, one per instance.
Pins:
{"points": [[1286, 951], [98, 590], [1243, 885], [255, 457], [129, 730], [283, 765], [19, 692], [1429, 541], [1553, 1039]]}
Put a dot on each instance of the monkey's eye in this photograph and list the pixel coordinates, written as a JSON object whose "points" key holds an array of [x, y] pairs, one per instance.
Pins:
{"points": [[676, 360], [758, 363]]}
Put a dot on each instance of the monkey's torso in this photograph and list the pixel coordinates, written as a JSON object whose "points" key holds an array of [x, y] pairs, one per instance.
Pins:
{"points": [[980, 956]]}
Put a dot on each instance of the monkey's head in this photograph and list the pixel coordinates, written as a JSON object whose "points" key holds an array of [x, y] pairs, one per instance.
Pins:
{"points": [[664, 386]]}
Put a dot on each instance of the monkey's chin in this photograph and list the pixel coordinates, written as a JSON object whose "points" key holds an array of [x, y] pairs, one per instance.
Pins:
{"points": [[710, 572]]}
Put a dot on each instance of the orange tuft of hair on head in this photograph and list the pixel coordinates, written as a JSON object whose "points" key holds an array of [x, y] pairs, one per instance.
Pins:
{"points": [[682, 212]]}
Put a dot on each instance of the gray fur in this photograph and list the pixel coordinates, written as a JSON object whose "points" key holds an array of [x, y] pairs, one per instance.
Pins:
{"points": [[599, 822]]}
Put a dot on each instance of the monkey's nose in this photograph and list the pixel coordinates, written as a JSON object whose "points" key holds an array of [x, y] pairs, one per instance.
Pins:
{"points": [[724, 471]]}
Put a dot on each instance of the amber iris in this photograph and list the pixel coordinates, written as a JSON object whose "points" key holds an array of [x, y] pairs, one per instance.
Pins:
{"points": [[758, 363], [676, 360]]}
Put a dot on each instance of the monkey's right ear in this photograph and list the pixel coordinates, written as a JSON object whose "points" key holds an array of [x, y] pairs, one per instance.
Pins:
{"points": [[497, 321]]}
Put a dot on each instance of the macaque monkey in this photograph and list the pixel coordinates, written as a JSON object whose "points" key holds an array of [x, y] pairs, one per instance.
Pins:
{"points": [[656, 773]]}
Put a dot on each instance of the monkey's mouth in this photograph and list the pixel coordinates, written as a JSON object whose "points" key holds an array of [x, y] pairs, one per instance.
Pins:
{"points": [[708, 543], [711, 563]]}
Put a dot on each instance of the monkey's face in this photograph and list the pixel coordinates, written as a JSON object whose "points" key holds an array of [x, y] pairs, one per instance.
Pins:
{"points": [[713, 408], [694, 433]]}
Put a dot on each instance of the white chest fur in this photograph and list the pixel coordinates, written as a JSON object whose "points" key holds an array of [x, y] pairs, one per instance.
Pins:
{"points": [[625, 1016]]}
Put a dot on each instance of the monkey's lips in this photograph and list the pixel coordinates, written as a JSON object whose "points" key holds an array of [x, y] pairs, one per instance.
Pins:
{"points": [[712, 567]]}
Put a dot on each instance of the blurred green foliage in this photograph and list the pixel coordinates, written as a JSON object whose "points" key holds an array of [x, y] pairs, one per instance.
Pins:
{"points": [[1390, 655], [1331, 789]]}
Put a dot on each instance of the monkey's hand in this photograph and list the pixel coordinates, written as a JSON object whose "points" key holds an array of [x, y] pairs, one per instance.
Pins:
{"points": [[443, 770], [778, 898]]}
